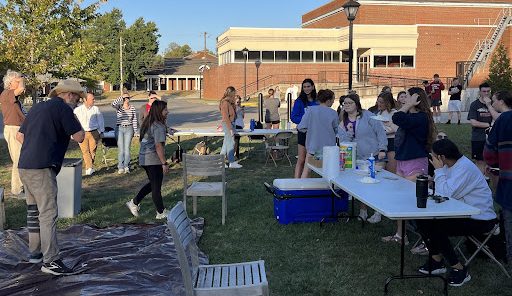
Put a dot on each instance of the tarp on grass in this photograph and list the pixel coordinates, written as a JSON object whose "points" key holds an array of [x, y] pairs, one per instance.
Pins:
{"points": [[128, 259]]}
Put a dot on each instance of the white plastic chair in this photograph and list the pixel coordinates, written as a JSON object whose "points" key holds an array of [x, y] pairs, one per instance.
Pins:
{"points": [[248, 278]]}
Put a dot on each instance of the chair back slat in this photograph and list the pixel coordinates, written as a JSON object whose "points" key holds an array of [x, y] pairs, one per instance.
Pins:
{"points": [[283, 136], [204, 165]]}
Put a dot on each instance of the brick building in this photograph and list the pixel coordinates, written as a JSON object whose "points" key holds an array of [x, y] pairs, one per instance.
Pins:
{"points": [[400, 39]]}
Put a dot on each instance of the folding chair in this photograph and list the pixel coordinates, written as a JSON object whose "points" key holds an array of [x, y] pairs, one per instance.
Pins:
{"points": [[481, 246], [280, 142], [107, 143]]}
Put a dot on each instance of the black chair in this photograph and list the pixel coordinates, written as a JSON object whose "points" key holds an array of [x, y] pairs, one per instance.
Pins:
{"points": [[108, 142]]}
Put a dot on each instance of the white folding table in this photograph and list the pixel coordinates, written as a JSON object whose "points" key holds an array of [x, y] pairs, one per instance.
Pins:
{"points": [[395, 198]]}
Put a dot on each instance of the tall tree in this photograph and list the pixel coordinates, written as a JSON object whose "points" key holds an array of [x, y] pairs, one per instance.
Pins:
{"points": [[141, 41], [44, 36], [500, 73], [174, 50]]}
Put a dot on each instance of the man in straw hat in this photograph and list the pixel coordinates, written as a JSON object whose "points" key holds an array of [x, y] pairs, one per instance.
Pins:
{"points": [[45, 137]]}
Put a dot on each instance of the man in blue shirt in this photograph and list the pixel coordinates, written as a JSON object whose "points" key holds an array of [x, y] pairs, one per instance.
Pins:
{"points": [[45, 135]]}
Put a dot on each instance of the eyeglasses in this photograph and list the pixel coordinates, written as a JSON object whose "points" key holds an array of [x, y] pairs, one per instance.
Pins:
{"points": [[440, 137], [485, 91], [348, 103]]}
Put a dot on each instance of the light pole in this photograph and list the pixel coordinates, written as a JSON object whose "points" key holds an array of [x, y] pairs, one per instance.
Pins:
{"points": [[258, 64], [245, 51], [350, 9]]}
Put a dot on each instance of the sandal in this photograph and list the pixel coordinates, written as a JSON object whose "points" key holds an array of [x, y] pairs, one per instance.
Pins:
{"points": [[395, 238]]}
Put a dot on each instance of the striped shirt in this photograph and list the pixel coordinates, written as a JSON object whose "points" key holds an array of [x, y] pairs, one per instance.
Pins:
{"points": [[125, 117]]}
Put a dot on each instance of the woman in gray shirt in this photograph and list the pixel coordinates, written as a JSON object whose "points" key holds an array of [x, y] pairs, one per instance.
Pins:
{"points": [[152, 158], [271, 105]]}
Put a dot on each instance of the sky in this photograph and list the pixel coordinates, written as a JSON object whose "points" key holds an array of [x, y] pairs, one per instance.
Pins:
{"points": [[184, 22]]}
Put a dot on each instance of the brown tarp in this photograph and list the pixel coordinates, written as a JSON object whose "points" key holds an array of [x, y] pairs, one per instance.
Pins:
{"points": [[126, 259]]}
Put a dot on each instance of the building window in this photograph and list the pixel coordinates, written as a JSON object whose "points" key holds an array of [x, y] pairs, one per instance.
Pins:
{"points": [[319, 56], [344, 56], [307, 56], [253, 56], [394, 61], [267, 56], [379, 61], [294, 56], [335, 56], [407, 61], [281, 56], [239, 56], [327, 57]]}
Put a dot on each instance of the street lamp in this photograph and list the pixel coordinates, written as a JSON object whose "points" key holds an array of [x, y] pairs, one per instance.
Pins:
{"points": [[350, 9], [258, 64], [245, 51]]}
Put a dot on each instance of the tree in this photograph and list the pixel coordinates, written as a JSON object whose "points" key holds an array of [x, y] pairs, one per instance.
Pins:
{"points": [[174, 50], [500, 73], [44, 36], [141, 41]]}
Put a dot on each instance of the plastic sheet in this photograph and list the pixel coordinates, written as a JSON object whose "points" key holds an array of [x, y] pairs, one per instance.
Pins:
{"points": [[126, 259]]}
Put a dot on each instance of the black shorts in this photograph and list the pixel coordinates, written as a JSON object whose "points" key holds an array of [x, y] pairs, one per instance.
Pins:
{"points": [[477, 150], [391, 144], [436, 103], [301, 138], [273, 122]]}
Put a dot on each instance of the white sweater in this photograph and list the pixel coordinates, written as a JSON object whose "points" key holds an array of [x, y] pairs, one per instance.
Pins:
{"points": [[464, 181]]}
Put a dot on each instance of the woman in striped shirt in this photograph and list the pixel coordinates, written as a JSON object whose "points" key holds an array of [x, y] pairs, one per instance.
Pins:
{"points": [[126, 127]]}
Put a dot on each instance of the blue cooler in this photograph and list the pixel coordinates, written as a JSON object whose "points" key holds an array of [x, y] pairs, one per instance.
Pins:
{"points": [[306, 200]]}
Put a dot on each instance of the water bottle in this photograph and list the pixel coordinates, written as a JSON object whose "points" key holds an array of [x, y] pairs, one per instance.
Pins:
{"points": [[371, 166], [421, 191], [252, 125]]}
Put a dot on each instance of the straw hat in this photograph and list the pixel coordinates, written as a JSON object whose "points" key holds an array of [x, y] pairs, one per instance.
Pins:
{"points": [[67, 85]]}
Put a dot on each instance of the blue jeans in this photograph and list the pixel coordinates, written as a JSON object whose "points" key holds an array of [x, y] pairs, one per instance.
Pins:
{"points": [[228, 146], [124, 140], [507, 222]]}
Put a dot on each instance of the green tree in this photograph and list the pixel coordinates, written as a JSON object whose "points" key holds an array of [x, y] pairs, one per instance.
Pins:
{"points": [[141, 41], [500, 73], [174, 50], [44, 36]]}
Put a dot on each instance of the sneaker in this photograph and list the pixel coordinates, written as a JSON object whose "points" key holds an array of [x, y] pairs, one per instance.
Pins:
{"points": [[449, 121], [56, 267], [235, 165], [35, 258], [395, 239], [120, 171], [134, 209], [89, 172], [375, 218], [458, 122], [435, 267], [126, 170], [458, 277], [363, 214], [162, 215], [420, 249]]}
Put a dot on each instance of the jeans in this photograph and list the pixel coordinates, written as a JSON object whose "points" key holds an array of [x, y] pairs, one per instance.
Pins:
{"points": [[124, 139], [237, 143], [507, 223], [156, 175], [228, 146], [41, 194]]}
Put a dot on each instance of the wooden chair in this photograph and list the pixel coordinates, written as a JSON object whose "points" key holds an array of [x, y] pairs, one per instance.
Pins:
{"points": [[204, 166], [278, 143], [248, 278]]}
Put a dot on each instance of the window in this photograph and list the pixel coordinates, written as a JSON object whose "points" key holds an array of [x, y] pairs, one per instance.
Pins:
{"points": [[293, 56], [239, 56], [319, 56], [407, 61], [267, 56], [379, 61], [253, 56], [281, 56], [327, 57], [344, 56], [335, 56], [307, 56], [394, 61]]}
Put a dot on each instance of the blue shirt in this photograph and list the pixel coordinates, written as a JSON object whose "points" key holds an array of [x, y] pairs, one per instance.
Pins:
{"points": [[299, 109], [411, 136], [47, 130]]}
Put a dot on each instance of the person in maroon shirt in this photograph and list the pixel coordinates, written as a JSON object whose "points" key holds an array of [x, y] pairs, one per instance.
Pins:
{"points": [[14, 115], [436, 86]]}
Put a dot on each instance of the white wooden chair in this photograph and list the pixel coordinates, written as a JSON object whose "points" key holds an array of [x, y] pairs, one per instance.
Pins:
{"points": [[280, 142], [204, 166], [248, 278]]}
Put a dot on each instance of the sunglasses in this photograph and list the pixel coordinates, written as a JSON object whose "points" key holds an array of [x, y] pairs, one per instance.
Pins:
{"points": [[440, 137]]}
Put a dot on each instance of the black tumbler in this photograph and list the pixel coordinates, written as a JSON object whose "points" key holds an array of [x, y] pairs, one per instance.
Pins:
{"points": [[421, 191]]}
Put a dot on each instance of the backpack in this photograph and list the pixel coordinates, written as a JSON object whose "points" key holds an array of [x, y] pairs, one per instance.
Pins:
{"points": [[201, 149]]}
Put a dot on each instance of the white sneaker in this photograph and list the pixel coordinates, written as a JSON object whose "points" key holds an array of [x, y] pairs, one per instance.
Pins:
{"points": [[363, 214], [162, 215], [120, 171], [375, 218], [126, 170], [134, 209], [89, 172], [235, 165]]}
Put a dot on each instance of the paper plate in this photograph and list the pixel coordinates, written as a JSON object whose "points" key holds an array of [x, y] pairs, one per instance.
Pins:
{"points": [[368, 180]]}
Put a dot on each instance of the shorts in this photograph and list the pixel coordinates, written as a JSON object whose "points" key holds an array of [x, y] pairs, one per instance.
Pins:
{"points": [[273, 121], [301, 138], [436, 102], [454, 106], [406, 168], [477, 150], [391, 144]]}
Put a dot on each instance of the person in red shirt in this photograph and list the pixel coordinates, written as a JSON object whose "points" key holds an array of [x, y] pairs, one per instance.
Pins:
{"points": [[144, 109], [436, 86]]}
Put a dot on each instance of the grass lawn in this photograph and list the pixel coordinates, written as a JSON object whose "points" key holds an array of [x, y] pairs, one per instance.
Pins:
{"points": [[301, 259]]}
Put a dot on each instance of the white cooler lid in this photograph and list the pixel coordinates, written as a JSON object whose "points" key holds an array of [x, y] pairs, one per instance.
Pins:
{"points": [[309, 183]]}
